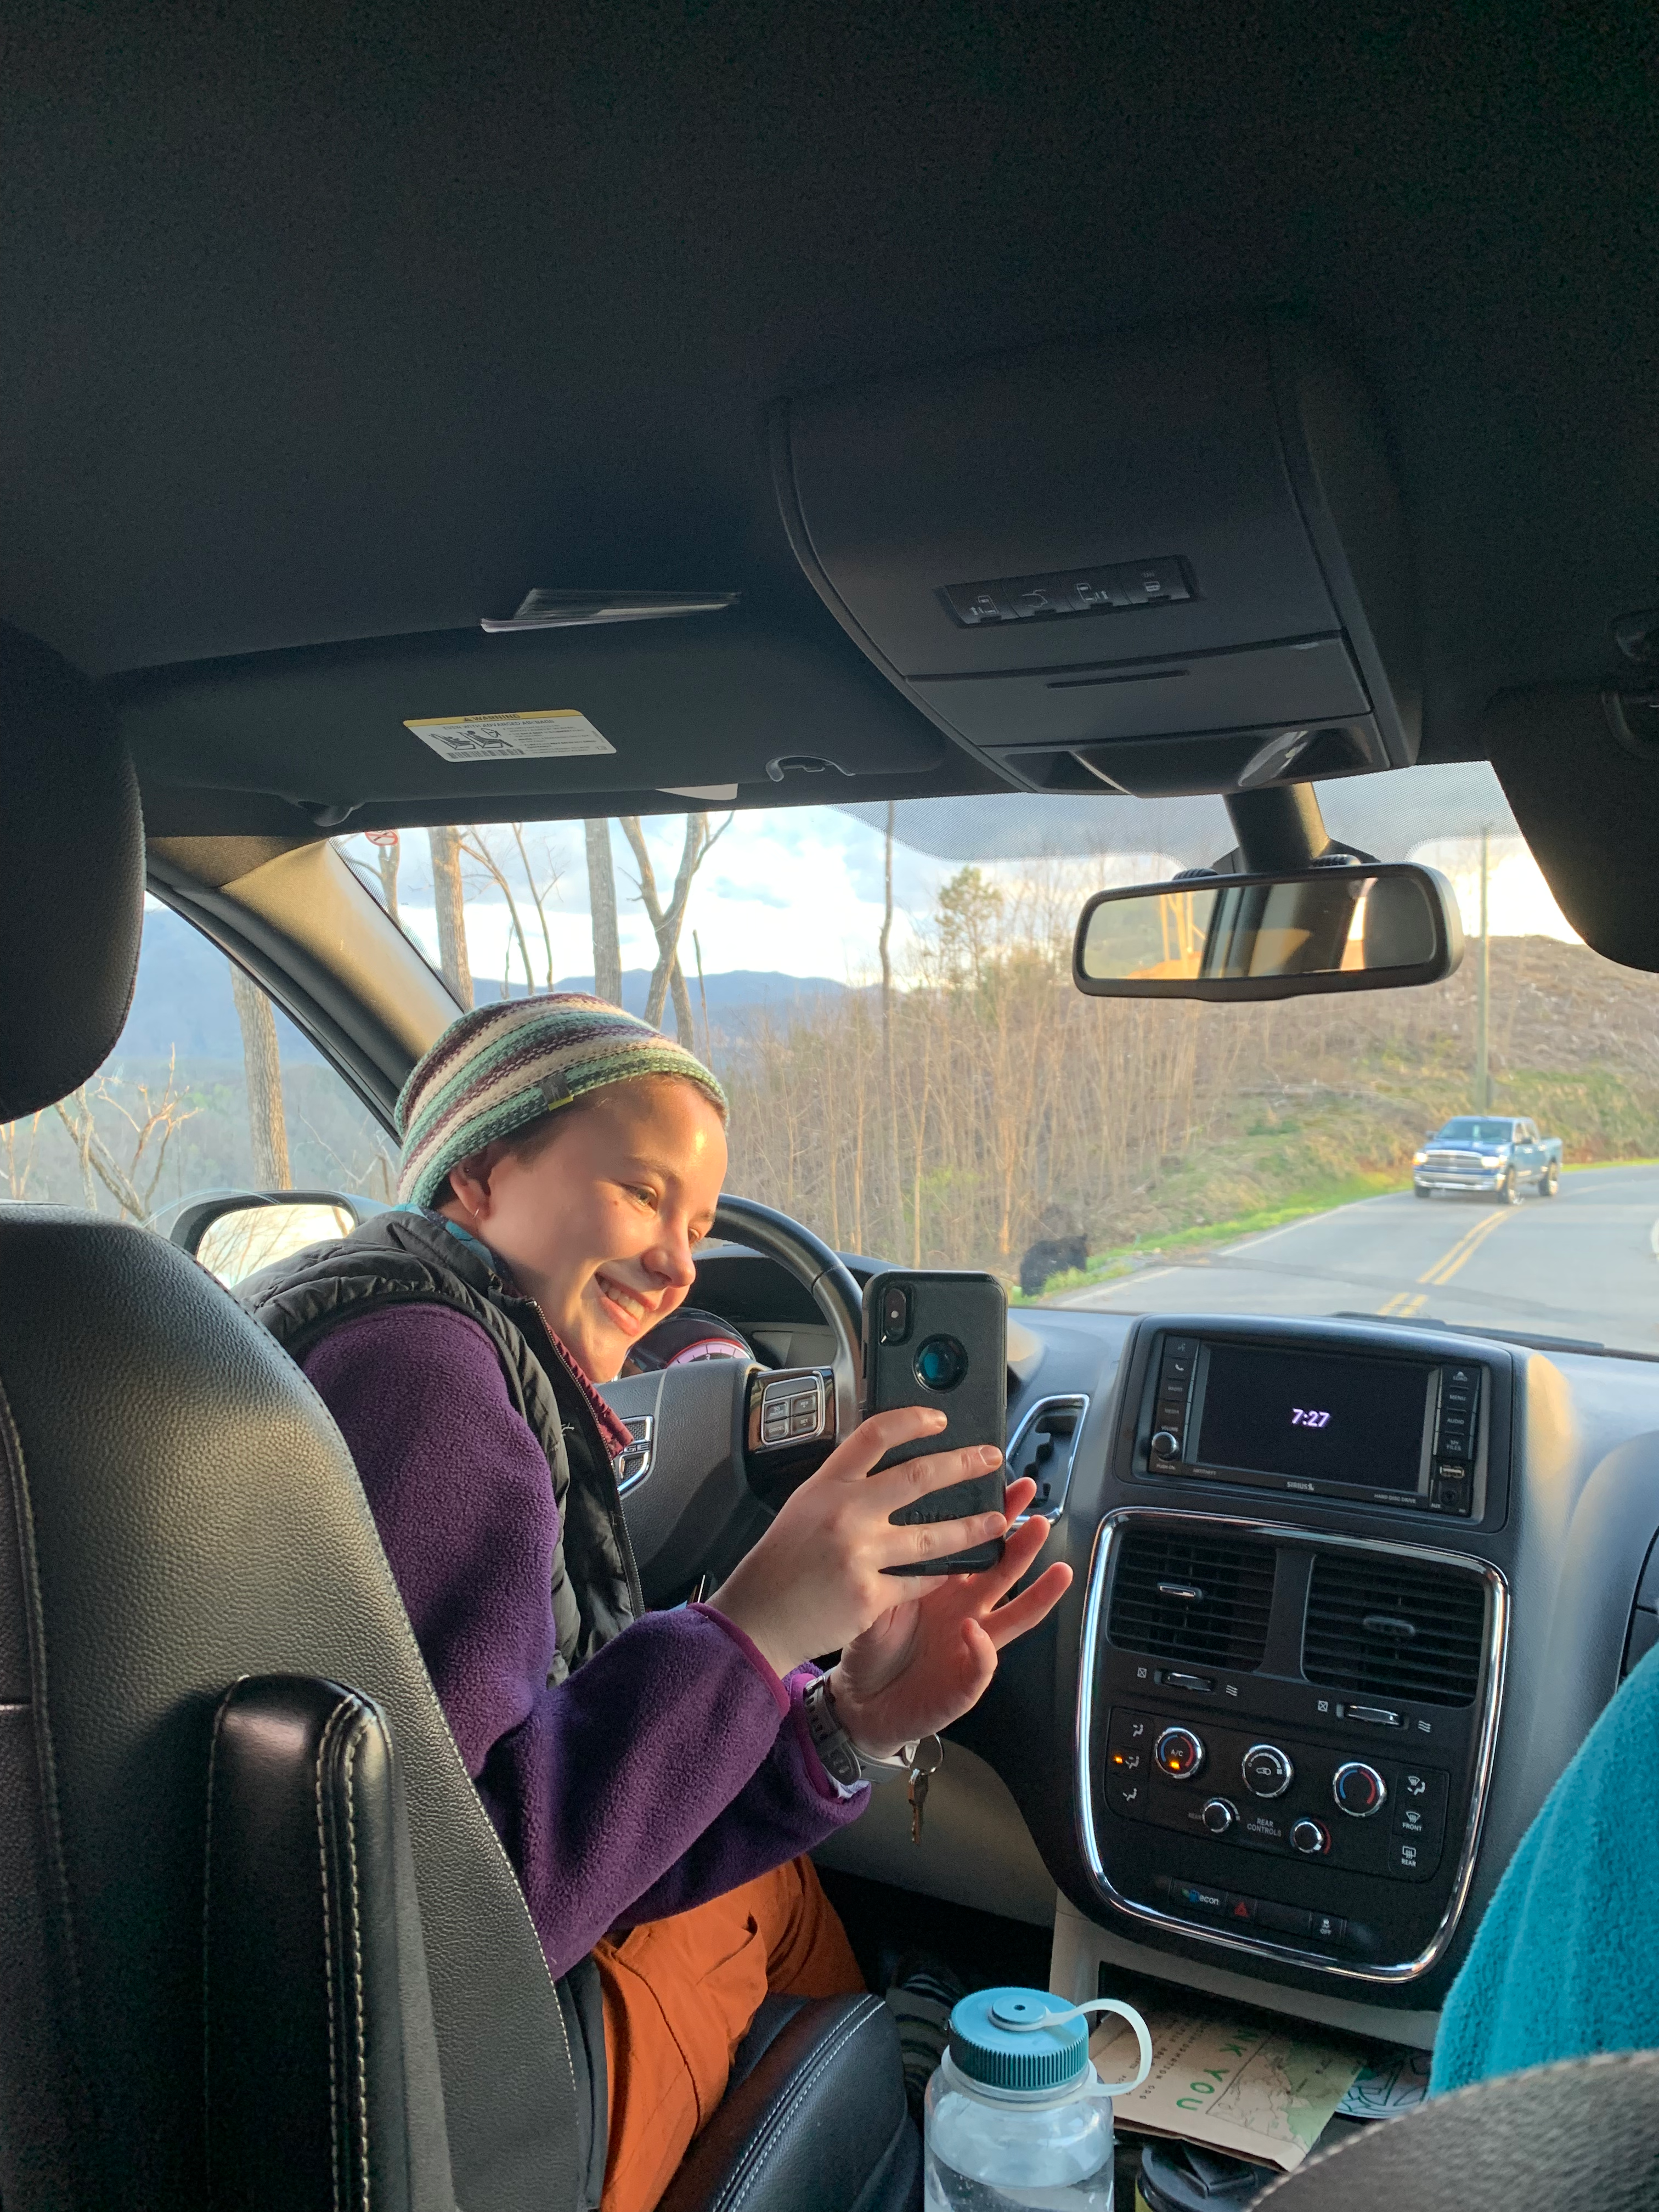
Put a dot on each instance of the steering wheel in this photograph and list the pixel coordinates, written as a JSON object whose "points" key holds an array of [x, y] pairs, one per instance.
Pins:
{"points": [[718, 1444]]}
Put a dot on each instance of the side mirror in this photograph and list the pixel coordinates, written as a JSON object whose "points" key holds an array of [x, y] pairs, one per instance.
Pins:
{"points": [[1348, 928], [236, 1234]]}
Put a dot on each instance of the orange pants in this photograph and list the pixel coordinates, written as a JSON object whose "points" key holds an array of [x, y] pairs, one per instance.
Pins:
{"points": [[679, 1996]]}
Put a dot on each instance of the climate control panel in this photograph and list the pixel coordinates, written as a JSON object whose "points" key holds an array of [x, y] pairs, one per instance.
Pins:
{"points": [[1291, 1800]]}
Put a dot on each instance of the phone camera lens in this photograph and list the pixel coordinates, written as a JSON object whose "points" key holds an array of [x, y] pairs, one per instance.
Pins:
{"points": [[941, 1363], [895, 1315]]}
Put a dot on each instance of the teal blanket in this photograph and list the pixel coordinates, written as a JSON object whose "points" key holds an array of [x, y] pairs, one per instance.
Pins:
{"points": [[1566, 1962]]}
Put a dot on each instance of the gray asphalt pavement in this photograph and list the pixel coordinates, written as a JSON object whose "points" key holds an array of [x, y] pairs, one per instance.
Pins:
{"points": [[1580, 1264]]}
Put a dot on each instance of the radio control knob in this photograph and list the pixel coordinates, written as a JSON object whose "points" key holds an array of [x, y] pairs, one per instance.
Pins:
{"points": [[1359, 1789], [1166, 1445], [1178, 1753], [1219, 1815], [1309, 1839], [1268, 1770]]}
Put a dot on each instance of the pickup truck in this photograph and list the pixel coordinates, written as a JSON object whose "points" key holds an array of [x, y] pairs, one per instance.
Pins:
{"points": [[1483, 1152]]}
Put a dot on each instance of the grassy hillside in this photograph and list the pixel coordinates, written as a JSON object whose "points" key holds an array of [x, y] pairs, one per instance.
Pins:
{"points": [[1012, 1109]]}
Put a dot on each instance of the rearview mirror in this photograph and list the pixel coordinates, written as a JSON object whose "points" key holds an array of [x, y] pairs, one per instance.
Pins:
{"points": [[1336, 928]]}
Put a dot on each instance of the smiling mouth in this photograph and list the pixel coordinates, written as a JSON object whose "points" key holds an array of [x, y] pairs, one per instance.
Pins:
{"points": [[628, 1303]]}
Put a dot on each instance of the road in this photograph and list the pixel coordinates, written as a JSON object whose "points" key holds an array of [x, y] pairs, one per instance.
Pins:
{"points": [[1581, 1264]]}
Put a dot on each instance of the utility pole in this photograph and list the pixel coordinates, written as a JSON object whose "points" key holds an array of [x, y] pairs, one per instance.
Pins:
{"points": [[1483, 989], [893, 1184]]}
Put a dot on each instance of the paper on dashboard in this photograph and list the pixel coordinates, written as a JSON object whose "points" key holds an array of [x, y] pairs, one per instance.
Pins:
{"points": [[1256, 2092]]}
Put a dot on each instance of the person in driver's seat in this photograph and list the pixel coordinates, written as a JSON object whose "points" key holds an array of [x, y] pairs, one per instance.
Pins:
{"points": [[655, 1778]]}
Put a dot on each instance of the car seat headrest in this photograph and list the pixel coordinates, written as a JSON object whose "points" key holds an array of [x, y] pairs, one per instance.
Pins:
{"points": [[72, 877]]}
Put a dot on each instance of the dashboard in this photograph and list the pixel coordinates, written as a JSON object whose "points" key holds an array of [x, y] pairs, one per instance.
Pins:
{"points": [[1347, 1597]]}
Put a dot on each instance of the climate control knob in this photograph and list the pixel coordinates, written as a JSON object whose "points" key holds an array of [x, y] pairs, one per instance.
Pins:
{"points": [[1359, 1789], [1178, 1753], [1218, 1816], [1268, 1770], [1309, 1839]]}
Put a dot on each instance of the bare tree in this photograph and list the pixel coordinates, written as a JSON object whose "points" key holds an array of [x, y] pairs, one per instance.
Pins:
{"points": [[602, 906], [132, 1182], [19, 1164], [267, 1123], [388, 852], [666, 922], [539, 895], [475, 844], [450, 901], [476, 847]]}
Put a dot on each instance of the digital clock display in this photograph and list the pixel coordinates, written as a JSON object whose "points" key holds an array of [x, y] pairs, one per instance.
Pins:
{"points": [[1312, 1417]]}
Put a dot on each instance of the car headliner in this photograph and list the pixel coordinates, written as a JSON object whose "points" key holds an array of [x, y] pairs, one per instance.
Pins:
{"points": [[348, 324]]}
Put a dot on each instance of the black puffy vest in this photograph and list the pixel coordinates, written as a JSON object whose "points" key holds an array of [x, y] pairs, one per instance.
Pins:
{"points": [[406, 1258]]}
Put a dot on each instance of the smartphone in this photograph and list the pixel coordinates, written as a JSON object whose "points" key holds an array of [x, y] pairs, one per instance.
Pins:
{"points": [[941, 1338]]}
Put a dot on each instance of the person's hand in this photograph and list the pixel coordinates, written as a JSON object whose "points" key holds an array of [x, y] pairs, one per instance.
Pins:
{"points": [[931, 1656], [815, 1580]]}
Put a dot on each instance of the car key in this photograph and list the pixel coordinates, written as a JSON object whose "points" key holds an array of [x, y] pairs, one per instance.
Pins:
{"points": [[926, 1761]]}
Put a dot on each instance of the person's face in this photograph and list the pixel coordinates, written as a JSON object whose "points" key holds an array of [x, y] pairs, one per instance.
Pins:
{"points": [[597, 1225]]}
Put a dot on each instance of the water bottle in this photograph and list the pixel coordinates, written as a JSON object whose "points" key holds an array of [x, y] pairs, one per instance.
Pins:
{"points": [[1015, 2114]]}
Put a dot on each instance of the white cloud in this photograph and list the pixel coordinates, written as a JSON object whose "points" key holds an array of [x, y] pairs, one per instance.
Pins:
{"points": [[1519, 902], [798, 890]]}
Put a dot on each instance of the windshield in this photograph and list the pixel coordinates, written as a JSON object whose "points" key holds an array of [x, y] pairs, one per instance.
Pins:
{"points": [[886, 993]]}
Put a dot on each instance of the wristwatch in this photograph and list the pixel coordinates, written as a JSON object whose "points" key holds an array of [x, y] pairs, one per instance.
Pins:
{"points": [[831, 1742], [845, 1760]]}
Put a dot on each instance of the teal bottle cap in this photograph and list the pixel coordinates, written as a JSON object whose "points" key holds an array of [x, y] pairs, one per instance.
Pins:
{"points": [[1019, 2039]]}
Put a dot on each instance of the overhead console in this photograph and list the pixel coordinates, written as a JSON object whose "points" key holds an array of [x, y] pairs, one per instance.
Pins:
{"points": [[1168, 562]]}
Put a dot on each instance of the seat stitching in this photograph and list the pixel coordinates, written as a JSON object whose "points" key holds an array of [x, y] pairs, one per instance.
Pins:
{"points": [[328, 1957], [789, 2103], [352, 1749], [22, 1506], [484, 1828], [207, 1921], [77, 2097]]}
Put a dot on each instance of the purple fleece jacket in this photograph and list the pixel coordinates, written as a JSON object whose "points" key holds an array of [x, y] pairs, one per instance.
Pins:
{"points": [[673, 1766]]}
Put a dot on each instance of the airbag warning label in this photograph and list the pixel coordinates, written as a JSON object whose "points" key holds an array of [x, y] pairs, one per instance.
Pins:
{"points": [[552, 733]]}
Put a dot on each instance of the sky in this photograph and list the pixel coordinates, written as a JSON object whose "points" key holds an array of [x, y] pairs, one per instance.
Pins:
{"points": [[799, 892]]}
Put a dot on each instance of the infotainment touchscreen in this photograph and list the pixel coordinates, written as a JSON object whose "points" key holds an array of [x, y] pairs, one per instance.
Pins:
{"points": [[1314, 1417]]}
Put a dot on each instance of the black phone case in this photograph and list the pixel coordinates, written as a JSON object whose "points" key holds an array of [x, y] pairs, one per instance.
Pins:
{"points": [[971, 1309]]}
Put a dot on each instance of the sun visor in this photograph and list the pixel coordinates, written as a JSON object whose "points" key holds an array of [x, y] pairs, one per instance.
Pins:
{"points": [[1169, 562]]}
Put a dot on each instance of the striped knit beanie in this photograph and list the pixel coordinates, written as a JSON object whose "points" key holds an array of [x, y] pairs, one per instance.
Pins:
{"points": [[505, 1065]]}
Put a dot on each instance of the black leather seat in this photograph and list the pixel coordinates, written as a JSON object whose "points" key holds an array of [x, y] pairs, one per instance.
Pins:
{"points": [[237, 1848]]}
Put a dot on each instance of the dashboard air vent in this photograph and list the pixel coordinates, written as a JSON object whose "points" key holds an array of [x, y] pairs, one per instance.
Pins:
{"points": [[1199, 1599], [1384, 1627]]}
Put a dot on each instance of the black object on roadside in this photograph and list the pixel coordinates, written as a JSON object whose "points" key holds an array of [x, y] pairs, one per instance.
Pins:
{"points": [[1049, 1256]]}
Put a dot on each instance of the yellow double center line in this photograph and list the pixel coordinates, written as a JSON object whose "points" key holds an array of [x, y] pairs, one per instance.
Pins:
{"points": [[1404, 1303]]}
